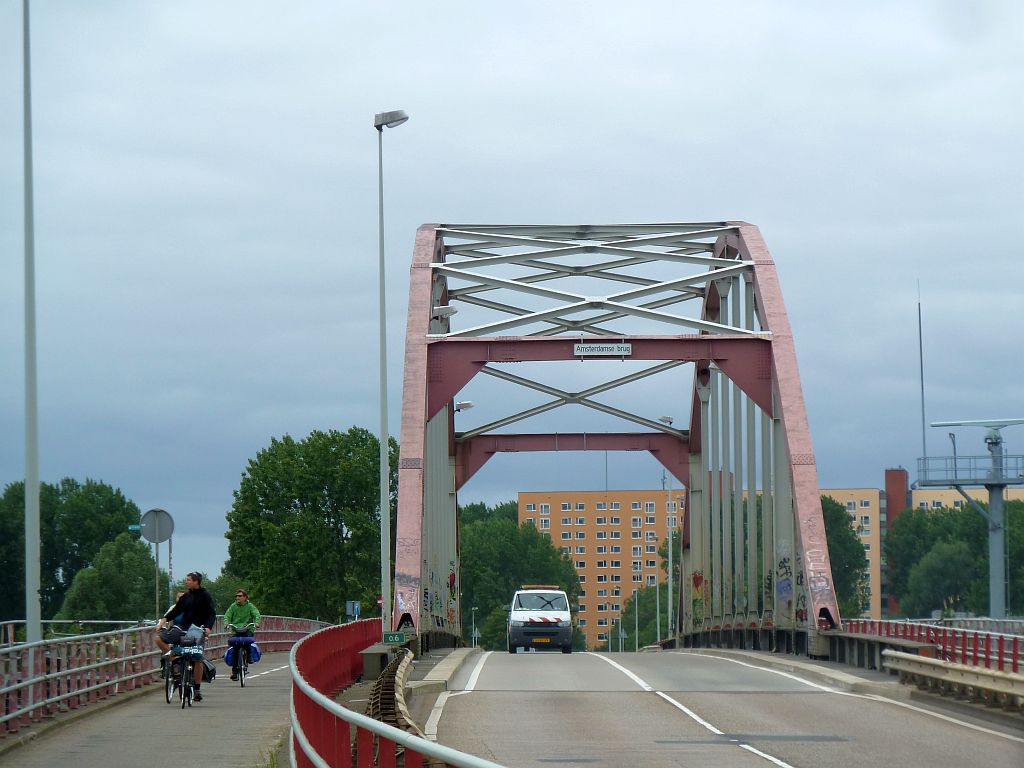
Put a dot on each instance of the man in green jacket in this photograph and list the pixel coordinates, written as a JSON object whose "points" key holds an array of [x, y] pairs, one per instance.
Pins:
{"points": [[239, 614]]}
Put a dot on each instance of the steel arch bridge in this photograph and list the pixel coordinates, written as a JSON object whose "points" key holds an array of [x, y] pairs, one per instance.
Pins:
{"points": [[648, 298]]}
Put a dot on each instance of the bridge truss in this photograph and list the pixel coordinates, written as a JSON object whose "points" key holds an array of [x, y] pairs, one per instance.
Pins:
{"points": [[652, 300]]}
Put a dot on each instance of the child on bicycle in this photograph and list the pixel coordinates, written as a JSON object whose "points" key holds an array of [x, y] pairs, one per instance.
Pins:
{"points": [[240, 614]]}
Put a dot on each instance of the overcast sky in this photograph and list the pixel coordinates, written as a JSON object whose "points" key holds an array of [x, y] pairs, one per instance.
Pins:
{"points": [[205, 200]]}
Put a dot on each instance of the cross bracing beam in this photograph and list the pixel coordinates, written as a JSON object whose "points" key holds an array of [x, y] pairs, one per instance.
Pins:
{"points": [[745, 458]]}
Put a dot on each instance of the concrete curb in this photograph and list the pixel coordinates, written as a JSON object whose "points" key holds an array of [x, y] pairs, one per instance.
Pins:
{"points": [[436, 680]]}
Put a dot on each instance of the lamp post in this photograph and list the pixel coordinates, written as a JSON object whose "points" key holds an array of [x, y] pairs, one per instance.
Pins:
{"points": [[473, 637], [952, 437], [381, 121], [667, 421]]}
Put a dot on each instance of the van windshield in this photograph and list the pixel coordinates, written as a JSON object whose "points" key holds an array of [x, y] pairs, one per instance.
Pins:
{"points": [[541, 601]]}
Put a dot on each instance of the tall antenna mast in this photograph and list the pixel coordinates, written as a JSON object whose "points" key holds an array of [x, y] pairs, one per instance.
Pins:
{"points": [[920, 357]]}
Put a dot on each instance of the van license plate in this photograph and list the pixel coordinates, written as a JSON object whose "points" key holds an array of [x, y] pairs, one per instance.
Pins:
{"points": [[542, 639]]}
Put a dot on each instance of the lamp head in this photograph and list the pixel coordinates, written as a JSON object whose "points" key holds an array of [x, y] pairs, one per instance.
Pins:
{"points": [[464, 405], [666, 420], [391, 119]]}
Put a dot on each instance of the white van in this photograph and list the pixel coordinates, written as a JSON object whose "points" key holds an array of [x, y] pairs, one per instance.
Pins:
{"points": [[539, 617]]}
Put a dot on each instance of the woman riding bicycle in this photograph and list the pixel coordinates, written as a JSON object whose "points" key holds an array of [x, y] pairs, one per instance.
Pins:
{"points": [[240, 614]]}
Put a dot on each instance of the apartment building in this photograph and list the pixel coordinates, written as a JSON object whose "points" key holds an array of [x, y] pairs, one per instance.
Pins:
{"points": [[612, 538], [865, 508]]}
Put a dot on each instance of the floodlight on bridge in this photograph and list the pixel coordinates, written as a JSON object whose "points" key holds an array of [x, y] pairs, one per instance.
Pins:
{"points": [[464, 405], [440, 313], [391, 119]]}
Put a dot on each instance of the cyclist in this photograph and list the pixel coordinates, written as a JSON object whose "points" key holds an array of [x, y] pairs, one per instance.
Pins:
{"points": [[240, 614], [193, 608]]}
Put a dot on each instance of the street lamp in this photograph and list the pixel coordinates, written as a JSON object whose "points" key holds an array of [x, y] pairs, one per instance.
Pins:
{"points": [[952, 437], [381, 121], [473, 637]]}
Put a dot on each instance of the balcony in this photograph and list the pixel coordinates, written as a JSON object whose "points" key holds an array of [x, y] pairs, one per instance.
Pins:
{"points": [[945, 471]]}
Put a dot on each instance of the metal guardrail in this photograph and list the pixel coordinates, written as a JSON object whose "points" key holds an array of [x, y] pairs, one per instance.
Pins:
{"points": [[971, 648], [322, 729], [57, 675], [970, 470], [977, 684]]}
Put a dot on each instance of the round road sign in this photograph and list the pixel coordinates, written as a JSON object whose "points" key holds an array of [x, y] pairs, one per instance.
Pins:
{"points": [[156, 526]]}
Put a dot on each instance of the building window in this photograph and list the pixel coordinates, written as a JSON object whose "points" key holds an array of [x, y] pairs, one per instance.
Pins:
{"points": [[530, 521], [652, 535], [602, 563], [581, 622], [565, 535], [851, 505], [638, 578], [566, 550], [581, 563], [616, 505], [616, 563], [566, 521], [545, 509], [601, 505], [599, 521], [652, 563], [651, 579], [865, 530], [616, 591], [581, 534], [865, 503], [602, 636], [670, 507], [616, 606], [867, 546], [531, 507], [652, 548], [583, 578], [616, 534], [638, 565], [616, 577], [602, 593], [545, 523], [602, 549], [638, 550], [582, 593], [957, 504], [581, 550], [581, 521], [616, 520], [602, 622], [650, 520], [936, 504], [637, 534], [634, 505], [580, 506], [637, 522], [566, 506], [648, 506], [865, 519], [602, 578], [602, 534], [922, 505], [616, 548]]}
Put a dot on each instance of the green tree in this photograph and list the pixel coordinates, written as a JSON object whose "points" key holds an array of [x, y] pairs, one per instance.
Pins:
{"points": [[941, 579], [850, 577], [118, 585], [75, 520], [477, 510], [304, 528], [498, 557]]}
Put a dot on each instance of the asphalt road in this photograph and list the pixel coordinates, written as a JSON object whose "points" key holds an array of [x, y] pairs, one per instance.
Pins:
{"points": [[682, 709], [231, 727]]}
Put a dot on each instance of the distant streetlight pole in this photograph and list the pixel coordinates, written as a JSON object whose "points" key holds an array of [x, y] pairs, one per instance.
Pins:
{"points": [[473, 638], [381, 121], [33, 608], [952, 437], [636, 621]]}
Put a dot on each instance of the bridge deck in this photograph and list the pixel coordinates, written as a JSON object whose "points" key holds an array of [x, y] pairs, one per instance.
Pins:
{"points": [[230, 727]]}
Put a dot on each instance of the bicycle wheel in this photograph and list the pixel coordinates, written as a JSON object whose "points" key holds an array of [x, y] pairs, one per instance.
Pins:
{"points": [[186, 685], [169, 683], [243, 665]]}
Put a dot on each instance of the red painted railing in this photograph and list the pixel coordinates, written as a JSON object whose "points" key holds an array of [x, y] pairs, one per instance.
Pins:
{"points": [[51, 676], [323, 731], [961, 646]]}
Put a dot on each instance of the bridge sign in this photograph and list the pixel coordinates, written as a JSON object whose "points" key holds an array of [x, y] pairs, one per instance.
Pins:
{"points": [[394, 638]]}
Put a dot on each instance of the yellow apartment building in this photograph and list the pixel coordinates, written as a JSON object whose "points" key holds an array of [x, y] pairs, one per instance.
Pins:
{"points": [[865, 506], [612, 538]]}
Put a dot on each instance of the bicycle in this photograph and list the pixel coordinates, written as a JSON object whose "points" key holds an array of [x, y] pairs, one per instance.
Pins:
{"points": [[180, 675], [241, 643]]}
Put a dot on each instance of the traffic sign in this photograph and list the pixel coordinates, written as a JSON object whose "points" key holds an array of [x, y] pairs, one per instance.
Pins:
{"points": [[394, 638], [135, 527]]}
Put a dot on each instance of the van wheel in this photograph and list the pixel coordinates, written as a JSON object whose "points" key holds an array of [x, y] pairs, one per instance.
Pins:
{"points": [[566, 649]]}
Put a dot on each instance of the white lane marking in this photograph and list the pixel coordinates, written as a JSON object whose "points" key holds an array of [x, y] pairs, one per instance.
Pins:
{"points": [[430, 728], [867, 696], [691, 714], [265, 672], [623, 670]]}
